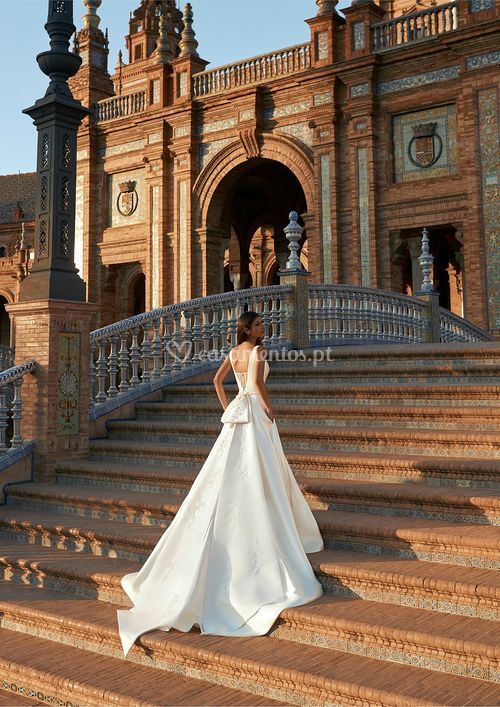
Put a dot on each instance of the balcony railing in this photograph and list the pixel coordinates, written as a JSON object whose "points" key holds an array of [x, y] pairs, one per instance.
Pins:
{"points": [[415, 27], [120, 106], [255, 70]]}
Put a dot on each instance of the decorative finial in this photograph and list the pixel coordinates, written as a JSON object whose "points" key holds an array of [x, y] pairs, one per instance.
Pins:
{"points": [[163, 53], [326, 6], [91, 19], [426, 260], [293, 233], [59, 63], [188, 43]]}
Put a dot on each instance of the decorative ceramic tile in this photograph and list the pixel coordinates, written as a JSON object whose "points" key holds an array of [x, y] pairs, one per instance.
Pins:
{"points": [[326, 217], [487, 100], [208, 149], [155, 247], [358, 35], [479, 5], [68, 389], [115, 216], [425, 144], [360, 89], [482, 60], [247, 114], [216, 126], [284, 111], [82, 155], [299, 130], [183, 241], [182, 131], [320, 99], [122, 149], [155, 93], [154, 137], [424, 79], [183, 84], [363, 215], [322, 45]]}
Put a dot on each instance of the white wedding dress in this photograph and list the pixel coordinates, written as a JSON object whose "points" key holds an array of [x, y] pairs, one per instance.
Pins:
{"points": [[234, 556]]}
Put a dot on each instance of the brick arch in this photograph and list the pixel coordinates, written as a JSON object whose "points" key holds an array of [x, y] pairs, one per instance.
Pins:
{"points": [[286, 150], [8, 294]]}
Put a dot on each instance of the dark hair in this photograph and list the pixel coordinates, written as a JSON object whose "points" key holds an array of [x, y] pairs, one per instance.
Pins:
{"points": [[244, 322]]}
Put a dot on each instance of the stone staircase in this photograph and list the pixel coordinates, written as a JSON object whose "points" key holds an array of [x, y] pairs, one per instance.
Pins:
{"points": [[397, 450]]}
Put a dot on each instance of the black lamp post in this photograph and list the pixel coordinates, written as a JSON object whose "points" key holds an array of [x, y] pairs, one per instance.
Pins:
{"points": [[57, 117]]}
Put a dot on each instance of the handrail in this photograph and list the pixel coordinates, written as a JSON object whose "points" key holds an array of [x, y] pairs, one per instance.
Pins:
{"points": [[257, 69], [351, 313], [12, 404], [171, 339]]}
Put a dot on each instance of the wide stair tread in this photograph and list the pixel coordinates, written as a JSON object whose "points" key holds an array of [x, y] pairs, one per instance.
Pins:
{"points": [[304, 665], [369, 433], [403, 528], [107, 680], [340, 490], [399, 571]]}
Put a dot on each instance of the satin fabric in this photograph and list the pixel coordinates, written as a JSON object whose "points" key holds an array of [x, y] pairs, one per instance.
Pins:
{"points": [[234, 556]]}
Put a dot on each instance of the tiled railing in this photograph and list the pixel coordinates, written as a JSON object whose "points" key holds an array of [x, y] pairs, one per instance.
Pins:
{"points": [[11, 405], [344, 313], [454, 328], [255, 70], [120, 106], [341, 313], [177, 338], [416, 26]]}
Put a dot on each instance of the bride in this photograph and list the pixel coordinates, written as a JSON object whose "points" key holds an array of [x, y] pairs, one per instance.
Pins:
{"points": [[234, 556]]}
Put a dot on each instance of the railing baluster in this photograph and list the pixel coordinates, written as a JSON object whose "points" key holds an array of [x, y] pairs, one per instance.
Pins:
{"points": [[156, 349], [113, 367], [102, 369], [17, 413], [135, 358], [146, 352], [123, 362]]}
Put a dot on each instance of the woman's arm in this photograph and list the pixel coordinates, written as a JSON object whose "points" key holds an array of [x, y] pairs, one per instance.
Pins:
{"points": [[219, 377], [259, 382]]}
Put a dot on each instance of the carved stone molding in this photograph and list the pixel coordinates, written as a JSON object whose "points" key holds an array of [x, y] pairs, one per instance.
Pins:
{"points": [[250, 142]]}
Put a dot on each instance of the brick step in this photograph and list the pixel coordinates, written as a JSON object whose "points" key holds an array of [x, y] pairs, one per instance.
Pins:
{"points": [[466, 418], [320, 674], [52, 672], [415, 583], [119, 466], [360, 439], [327, 393], [414, 500], [432, 640], [465, 544]]}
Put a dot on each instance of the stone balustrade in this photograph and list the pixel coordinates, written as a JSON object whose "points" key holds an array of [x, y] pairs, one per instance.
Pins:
{"points": [[454, 328], [177, 337], [416, 26], [11, 405], [342, 313], [255, 70], [120, 106], [6, 357]]}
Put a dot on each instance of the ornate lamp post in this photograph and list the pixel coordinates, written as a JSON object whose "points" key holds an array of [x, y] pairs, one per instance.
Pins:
{"points": [[57, 117], [52, 320]]}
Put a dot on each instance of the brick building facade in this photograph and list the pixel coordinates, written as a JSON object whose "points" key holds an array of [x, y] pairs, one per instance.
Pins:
{"points": [[384, 123]]}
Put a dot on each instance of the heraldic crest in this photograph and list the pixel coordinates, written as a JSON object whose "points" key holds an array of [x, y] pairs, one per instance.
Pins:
{"points": [[426, 146], [127, 198]]}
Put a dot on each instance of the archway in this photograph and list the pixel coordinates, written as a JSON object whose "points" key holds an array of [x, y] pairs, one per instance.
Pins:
{"points": [[248, 212], [243, 194], [4, 322]]}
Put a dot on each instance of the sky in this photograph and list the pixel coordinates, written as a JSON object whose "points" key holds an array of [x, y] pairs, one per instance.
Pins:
{"points": [[227, 30]]}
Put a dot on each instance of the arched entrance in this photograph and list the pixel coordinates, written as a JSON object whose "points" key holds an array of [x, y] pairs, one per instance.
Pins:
{"points": [[4, 322], [242, 206], [248, 213], [447, 251]]}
